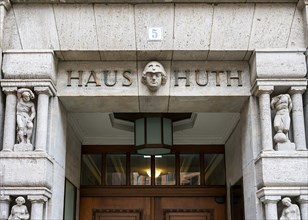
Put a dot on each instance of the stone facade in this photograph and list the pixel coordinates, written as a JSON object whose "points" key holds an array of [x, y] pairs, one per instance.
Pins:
{"points": [[89, 56]]}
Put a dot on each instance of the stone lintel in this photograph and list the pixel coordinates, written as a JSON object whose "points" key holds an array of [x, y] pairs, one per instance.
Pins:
{"points": [[5, 198], [285, 83], [9, 90], [258, 90], [303, 198], [29, 64], [282, 191], [43, 90], [282, 154], [29, 191], [37, 198], [297, 90], [38, 84], [270, 199]]}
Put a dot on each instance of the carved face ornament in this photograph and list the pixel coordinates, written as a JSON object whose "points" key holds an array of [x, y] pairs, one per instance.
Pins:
{"points": [[26, 96], [154, 75]]}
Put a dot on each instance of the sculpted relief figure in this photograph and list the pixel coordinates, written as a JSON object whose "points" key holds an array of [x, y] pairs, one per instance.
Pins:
{"points": [[25, 115], [290, 211], [19, 211], [154, 75], [282, 104]]}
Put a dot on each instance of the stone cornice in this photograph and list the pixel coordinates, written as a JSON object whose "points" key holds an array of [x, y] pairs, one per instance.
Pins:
{"points": [[37, 83]]}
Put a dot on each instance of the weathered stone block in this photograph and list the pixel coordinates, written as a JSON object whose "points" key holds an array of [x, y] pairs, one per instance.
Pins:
{"points": [[282, 169], [36, 64], [278, 64], [26, 169]]}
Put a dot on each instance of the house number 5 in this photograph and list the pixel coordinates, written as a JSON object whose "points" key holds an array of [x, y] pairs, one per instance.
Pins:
{"points": [[155, 34]]}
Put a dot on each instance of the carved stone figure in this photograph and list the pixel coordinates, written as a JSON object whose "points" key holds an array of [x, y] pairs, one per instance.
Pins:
{"points": [[25, 115], [291, 211], [154, 75], [19, 211], [282, 104]]}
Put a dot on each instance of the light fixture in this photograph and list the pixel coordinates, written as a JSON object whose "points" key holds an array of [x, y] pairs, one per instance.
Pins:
{"points": [[153, 135], [153, 131], [157, 172]]}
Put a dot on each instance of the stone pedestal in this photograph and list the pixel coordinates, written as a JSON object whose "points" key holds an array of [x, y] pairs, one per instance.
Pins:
{"points": [[23, 147], [282, 168], [270, 203], [27, 169], [4, 207], [286, 146]]}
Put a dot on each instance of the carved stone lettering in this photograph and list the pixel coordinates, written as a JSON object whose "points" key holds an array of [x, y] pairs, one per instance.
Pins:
{"points": [[186, 77], [128, 79], [93, 79], [238, 77], [106, 74], [198, 81]]}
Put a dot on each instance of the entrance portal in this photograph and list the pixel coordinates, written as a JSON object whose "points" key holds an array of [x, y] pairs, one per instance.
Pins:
{"points": [[118, 184]]}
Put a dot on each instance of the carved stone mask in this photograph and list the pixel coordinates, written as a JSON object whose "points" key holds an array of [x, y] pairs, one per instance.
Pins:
{"points": [[154, 75]]}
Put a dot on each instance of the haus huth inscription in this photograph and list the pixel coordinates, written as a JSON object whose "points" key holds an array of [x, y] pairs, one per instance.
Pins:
{"points": [[110, 78]]}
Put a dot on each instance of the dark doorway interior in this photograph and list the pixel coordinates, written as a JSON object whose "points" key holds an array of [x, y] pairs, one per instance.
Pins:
{"points": [[237, 201]]}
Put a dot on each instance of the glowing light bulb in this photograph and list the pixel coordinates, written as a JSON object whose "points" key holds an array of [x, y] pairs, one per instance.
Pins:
{"points": [[157, 172]]}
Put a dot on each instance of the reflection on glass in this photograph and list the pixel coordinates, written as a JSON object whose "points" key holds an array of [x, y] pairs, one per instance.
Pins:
{"points": [[139, 168], [189, 169], [165, 170], [116, 169], [214, 169], [91, 169]]}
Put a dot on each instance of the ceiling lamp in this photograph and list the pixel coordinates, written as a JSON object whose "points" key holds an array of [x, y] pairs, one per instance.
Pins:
{"points": [[153, 135]]}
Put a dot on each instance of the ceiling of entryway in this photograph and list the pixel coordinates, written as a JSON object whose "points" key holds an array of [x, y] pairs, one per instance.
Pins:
{"points": [[208, 128]]}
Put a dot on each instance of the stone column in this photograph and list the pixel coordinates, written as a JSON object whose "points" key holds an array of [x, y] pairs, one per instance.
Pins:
{"points": [[42, 118], [265, 117], [9, 118], [4, 207], [37, 208], [303, 203], [298, 117], [270, 203]]}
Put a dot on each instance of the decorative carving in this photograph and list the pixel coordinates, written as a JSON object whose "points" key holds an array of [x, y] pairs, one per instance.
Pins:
{"points": [[25, 115], [118, 213], [291, 211], [207, 214], [19, 211], [154, 75], [282, 104]]}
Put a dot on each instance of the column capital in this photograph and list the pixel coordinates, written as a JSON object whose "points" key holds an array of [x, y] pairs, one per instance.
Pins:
{"points": [[9, 90], [270, 199], [6, 4], [5, 198], [43, 90], [303, 199], [297, 90], [37, 198], [263, 90]]}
